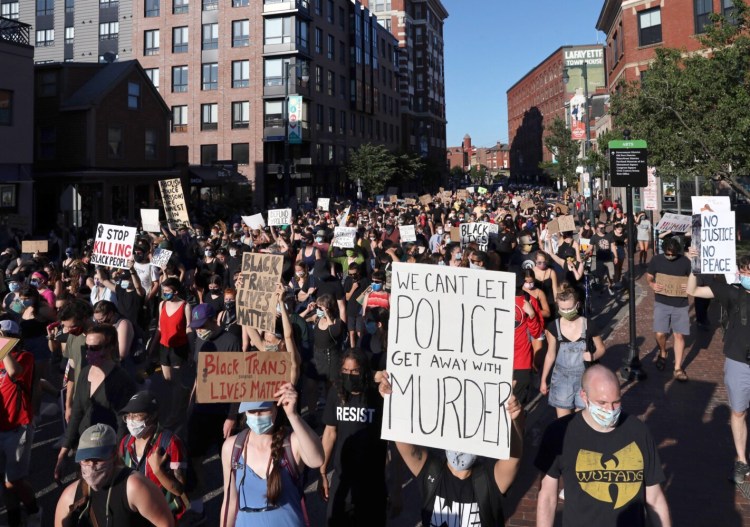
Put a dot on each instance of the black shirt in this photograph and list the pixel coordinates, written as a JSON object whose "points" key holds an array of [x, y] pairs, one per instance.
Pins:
{"points": [[352, 306], [602, 247], [330, 286], [659, 264], [736, 336]]}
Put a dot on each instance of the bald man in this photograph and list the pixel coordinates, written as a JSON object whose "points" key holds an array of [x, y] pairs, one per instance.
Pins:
{"points": [[607, 458]]}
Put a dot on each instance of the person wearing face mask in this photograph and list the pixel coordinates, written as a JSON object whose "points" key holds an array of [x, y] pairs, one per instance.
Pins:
{"points": [[227, 319], [478, 260], [234, 259], [573, 342], [303, 285], [12, 303], [436, 239], [40, 280], [453, 254], [213, 294], [102, 390], [601, 436], [262, 465], [356, 285], [98, 290], [356, 494], [154, 451], [108, 494], [479, 486], [670, 312], [529, 326], [126, 284]]}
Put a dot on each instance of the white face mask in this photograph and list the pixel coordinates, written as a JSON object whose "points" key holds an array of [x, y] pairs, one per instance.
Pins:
{"points": [[136, 428], [97, 477], [475, 266], [232, 253], [460, 460]]}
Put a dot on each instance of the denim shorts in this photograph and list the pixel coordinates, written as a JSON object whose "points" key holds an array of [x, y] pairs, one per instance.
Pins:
{"points": [[565, 389], [737, 381], [672, 318]]}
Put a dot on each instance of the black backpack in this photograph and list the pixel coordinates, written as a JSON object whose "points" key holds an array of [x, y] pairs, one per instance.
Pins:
{"points": [[738, 304]]}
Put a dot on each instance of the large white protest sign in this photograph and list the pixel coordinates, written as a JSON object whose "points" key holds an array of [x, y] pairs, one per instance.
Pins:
{"points": [[150, 220], [717, 248], [710, 204], [674, 222], [255, 221], [344, 237], [341, 220], [174, 201], [407, 232], [113, 246], [324, 203], [478, 232], [160, 258], [450, 358], [470, 190], [279, 217]]}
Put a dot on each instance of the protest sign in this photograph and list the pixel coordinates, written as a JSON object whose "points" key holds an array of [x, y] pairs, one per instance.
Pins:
{"points": [[710, 204], [450, 358], [256, 297], [478, 232], [563, 208], [255, 221], [481, 191], [527, 204], [150, 220], [455, 234], [717, 237], [672, 284], [6, 345], [410, 201], [408, 233], [279, 217], [446, 193], [674, 222], [566, 223], [441, 189], [462, 194], [232, 377], [113, 246], [174, 201], [584, 243], [160, 258], [470, 190], [344, 237], [324, 203], [393, 198], [341, 220], [425, 199], [34, 246], [553, 227]]}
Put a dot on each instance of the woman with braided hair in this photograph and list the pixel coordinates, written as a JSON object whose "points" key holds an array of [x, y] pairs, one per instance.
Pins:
{"points": [[262, 465]]}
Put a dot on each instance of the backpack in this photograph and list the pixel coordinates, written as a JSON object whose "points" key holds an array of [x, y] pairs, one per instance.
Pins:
{"points": [[490, 514], [739, 305]]}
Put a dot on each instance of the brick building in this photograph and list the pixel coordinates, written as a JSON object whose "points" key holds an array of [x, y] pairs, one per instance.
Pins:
{"points": [[460, 156], [495, 158]]}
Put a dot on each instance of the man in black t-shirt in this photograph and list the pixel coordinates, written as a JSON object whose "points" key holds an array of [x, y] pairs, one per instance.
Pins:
{"points": [[670, 310], [608, 460], [604, 251]]}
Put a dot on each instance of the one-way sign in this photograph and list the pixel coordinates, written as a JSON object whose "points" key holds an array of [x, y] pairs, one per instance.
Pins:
{"points": [[628, 162]]}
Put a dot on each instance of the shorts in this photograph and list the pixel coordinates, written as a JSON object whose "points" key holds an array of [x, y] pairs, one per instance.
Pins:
{"points": [[174, 357], [602, 269], [355, 323], [325, 365], [565, 389], [737, 381], [15, 452], [666, 318]]}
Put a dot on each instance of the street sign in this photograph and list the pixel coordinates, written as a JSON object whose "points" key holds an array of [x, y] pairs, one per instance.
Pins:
{"points": [[628, 162]]}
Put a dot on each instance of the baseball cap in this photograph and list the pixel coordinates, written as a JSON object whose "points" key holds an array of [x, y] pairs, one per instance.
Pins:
{"points": [[9, 327], [201, 314], [18, 277], [96, 442], [142, 402], [255, 406], [321, 232]]}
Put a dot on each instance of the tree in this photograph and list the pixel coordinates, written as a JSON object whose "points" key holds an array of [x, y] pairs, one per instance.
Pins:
{"points": [[407, 166], [694, 109], [566, 151], [457, 173], [373, 166]]}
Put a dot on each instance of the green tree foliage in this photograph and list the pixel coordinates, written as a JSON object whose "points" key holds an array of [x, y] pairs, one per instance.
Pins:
{"points": [[566, 151], [373, 165], [694, 108]]}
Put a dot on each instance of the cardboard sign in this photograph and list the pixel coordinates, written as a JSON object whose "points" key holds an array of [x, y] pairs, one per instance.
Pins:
{"points": [[160, 258], [255, 221], [566, 223], [526, 205], [462, 194], [553, 227], [672, 284], [233, 377], [280, 217], [674, 222], [324, 203], [393, 198], [470, 190], [716, 242], [710, 204], [446, 194], [113, 246], [407, 232], [344, 237], [410, 201], [150, 220], [563, 208], [425, 199], [478, 232], [6, 345], [256, 296], [455, 234], [450, 358], [34, 246], [174, 201], [341, 220]]}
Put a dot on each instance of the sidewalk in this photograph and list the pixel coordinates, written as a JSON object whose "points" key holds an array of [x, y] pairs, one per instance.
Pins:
{"points": [[689, 422]]}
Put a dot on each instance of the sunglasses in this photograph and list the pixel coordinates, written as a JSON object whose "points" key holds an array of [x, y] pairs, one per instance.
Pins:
{"points": [[95, 347]]}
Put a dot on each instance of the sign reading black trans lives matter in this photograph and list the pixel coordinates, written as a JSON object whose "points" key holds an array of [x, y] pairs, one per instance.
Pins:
{"points": [[113, 245], [256, 295], [450, 358]]}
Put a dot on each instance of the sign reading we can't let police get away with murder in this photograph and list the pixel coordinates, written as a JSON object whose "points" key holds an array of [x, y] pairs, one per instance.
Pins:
{"points": [[113, 245], [450, 358]]}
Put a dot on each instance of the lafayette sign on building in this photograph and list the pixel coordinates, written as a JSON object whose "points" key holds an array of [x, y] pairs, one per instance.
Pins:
{"points": [[576, 57]]}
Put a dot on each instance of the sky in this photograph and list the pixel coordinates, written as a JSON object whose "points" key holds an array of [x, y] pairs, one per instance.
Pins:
{"points": [[491, 44]]}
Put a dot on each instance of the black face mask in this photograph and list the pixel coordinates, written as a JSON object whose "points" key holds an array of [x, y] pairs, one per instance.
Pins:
{"points": [[352, 383], [139, 258]]}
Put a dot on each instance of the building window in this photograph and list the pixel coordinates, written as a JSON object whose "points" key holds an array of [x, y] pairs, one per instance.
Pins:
{"points": [[153, 75], [47, 84], [274, 72], [47, 142], [210, 76], [240, 3], [703, 10], [319, 117], [151, 42], [649, 27], [70, 33], [108, 3], [241, 114], [380, 5], [331, 154], [210, 36], [278, 30], [240, 74], [11, 10], [45, 37], [180, 39], [329, 11], [331, 119], [240, 33], [134, 95], [241, 153], [151, 8], [318, 40], [273, 116], [331, 50], [331, 83], [108, 30], [114, 142], [209, 116], [179, 119], [209, 154], [316, 6], [303, 30], [318, 79], [342, 52], [180, 6], [6, 107], [728, 9], [45, 7], [342, 122], [342, 18], [150, 144], [210, 5], [342, 87], [179, 79]]}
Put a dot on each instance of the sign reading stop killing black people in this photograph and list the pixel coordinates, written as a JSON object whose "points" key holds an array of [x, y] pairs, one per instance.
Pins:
{"points": [[113, 246], [256, 295], [450, 358]]}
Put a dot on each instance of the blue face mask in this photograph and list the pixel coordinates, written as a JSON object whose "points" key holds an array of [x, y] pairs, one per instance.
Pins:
{"points": [[260, 424], [34, 283], [320, 313], [377, 287], [371, 327], [319, 239], [14, 286], [27, 302], [124, 284], [744, 281], [167, 296], [604, 418]]}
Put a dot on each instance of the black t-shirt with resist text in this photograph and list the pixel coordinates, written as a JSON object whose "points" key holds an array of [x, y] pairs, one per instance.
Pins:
{"points": [[659, 264], [736, 336], [605, 473]]}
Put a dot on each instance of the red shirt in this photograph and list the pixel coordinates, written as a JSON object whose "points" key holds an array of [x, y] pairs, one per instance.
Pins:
{"points": [[526, 329], [15, 394], [173, 327]]}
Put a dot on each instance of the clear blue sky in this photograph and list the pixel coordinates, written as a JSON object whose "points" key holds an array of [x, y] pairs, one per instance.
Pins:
{"points": [[491, 44]]}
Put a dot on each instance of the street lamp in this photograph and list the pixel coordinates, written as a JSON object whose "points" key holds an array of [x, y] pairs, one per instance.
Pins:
{"points": [[587, 116], [301, 69]]}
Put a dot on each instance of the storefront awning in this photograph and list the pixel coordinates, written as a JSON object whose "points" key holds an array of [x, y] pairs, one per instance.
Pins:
{"points": [[214, 175]]}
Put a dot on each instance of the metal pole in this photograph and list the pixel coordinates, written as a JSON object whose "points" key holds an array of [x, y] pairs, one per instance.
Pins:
{"points": [[678, 195], [587, 115], [287, 178]]}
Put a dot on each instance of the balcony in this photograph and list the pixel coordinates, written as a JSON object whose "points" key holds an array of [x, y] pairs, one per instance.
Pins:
{"points": [[274, 86], [14, 32], [282, 6], [273, 129]]}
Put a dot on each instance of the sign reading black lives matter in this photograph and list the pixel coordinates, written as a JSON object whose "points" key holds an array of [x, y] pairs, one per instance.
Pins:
{"points": [[450, 358], [113, 245], [628, 163], [256, 297], [174, 201]]}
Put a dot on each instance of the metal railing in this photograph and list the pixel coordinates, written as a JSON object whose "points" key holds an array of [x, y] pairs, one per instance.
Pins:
{"points": [[14, 32]]}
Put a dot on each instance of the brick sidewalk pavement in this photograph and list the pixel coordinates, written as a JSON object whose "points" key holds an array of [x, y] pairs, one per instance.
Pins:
{"points": [[689, 422]]}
